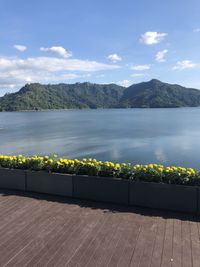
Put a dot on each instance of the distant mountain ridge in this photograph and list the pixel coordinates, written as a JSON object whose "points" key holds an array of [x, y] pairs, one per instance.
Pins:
{"points": [[151, 94]]}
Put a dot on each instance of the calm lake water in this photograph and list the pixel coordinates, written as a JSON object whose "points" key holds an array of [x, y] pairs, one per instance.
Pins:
{"points": [[167, 136]]}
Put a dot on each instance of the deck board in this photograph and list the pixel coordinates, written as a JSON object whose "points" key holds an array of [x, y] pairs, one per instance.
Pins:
{"points": [[42, 230]]}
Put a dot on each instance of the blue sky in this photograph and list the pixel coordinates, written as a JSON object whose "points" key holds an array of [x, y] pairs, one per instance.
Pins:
{"points": [[100, 41]]}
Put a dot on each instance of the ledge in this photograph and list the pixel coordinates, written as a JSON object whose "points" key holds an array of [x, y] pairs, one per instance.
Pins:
{"points": [[12, 179], [49, 183], [107, 189], [101, 189], [164, 196]]}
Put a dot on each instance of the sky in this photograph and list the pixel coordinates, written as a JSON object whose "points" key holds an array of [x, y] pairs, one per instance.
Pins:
{"points": [[99, 41]]}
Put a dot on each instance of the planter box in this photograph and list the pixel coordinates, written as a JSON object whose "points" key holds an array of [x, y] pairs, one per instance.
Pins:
{"points": [[164, 196], [12, 179], [50, 183], [120, 191], [198, 200], [101, 189]]}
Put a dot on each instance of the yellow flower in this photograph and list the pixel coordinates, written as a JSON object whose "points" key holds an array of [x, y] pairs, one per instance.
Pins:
{"points": [[191, 170], [137, 166]]}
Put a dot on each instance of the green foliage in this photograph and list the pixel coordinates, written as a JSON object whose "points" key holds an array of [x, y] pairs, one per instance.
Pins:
{"points": [[62, 96], [155, 94], [149, 173], [87, 95]]}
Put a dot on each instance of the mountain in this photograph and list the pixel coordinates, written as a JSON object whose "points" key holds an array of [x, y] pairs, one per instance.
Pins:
{"points": [[63, 96], [155, 94], [151, 94]]}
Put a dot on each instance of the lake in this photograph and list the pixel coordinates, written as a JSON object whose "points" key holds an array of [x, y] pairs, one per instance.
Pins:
{"points": [[166, 136]]}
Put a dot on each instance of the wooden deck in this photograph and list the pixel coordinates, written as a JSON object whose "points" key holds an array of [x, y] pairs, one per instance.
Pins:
{"points": [[39, 230]]}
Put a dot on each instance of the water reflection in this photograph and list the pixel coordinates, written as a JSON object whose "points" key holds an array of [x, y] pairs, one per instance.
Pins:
{"points": [[167, 136]]}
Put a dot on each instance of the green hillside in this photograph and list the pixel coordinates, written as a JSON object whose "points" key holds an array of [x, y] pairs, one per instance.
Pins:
{"points": [[62, 96], [151, 94], [155, 94]]}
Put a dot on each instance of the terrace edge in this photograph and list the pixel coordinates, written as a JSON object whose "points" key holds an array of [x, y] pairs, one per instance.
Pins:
{"points": [[115, 190]]}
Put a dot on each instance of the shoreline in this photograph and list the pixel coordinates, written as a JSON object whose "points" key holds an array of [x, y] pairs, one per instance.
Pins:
{"points": [[113, 108]]}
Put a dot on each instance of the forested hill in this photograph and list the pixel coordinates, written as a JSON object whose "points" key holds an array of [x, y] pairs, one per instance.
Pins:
{"points": [[63, 96], [155, 94], [151, 94]]}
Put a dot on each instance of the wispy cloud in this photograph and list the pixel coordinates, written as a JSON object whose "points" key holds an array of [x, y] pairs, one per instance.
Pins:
{"points": [[15, 71], [160, 56], [196, 30], [124, 83], [20, 48], [137, 75], [150, 38], [184, 64], [114, 58], [140, 67], [57, 50]]}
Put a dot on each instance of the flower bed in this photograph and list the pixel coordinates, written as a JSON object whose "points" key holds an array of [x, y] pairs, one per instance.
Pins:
{"points": [[92, 167], [152, 185]]}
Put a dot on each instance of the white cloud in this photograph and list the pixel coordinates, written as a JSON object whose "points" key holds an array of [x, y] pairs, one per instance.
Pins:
{"points": [[196, 30], [184, 64], [53, 64], [15, 71], [150, 38], [57, 50], [140, 67], [20, 48], [114, 58], [136, 75], [15, 78], [124, 83], [160, 56]]}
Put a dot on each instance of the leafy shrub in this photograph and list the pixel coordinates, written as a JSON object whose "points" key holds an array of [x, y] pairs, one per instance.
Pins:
{"points": [[92, 167]]}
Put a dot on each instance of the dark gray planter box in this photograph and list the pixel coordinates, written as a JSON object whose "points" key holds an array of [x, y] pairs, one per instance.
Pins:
{"points": [[12, 179], [101, 189], [198, 200], [49, 183], [164, 196]]}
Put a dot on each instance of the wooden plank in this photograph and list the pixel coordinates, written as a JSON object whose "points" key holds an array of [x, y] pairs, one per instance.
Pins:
{"points": [[68, 247], [195, 243], [52, 232], [142, 250], [186, 244], [151, 231], [159, 243], [46, 254], [23, 237], [177, 244], [18, 214], [42, 238], [87, 244], [108, 245], [129, 247], [97, 241], [18, 226], [167, 254]]}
